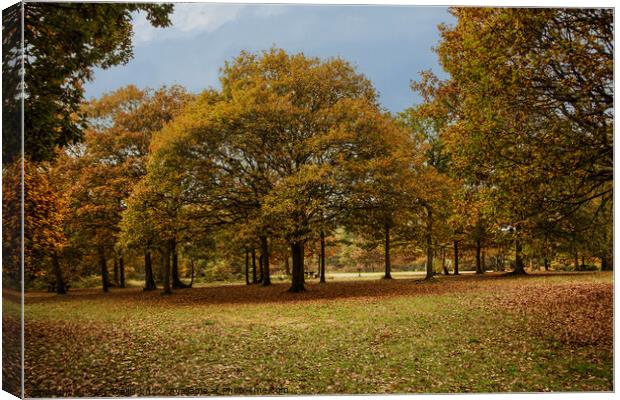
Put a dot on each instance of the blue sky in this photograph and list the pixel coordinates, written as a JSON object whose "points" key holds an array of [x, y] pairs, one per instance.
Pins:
{"points": [[389, 44]]}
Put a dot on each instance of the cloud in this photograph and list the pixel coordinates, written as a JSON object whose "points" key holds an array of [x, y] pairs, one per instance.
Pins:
{"points": [[187, 19]]}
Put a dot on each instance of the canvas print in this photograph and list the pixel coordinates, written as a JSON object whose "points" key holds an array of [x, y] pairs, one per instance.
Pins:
{"points": [[256, 199]]}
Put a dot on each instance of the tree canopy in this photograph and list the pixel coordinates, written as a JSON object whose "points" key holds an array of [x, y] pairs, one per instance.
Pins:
{"points": [[63, 43], [508, 158]]}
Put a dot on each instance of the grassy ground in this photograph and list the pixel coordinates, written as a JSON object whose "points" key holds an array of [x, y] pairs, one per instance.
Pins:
{"points": [[543, 332], [11, 342]]}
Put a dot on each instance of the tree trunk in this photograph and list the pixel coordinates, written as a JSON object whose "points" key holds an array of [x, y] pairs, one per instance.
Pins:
{"points": [[429, 246], [501, 261], [149, 278], [176, 279], [260, 267], [478, 258], [519, 266], [546, 263], [443, 261], [176, 282], [166, 255], [115, 273], [297, 252], [254, 280], [247, 267], [388, 263], [105, 280], [576, 262], [60, 282], [318, 259], [322, 272], [583, 263], [191, 282], [456, 257], [265, 253], [121, 262], [287, 267], [605, 264]]}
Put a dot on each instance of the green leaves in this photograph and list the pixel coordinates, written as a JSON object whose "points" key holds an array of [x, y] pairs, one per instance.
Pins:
{"points": [[526, 110], [63, 43]]}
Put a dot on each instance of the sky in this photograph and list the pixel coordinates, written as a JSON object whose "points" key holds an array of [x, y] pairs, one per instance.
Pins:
{"points": [[390, 45]]}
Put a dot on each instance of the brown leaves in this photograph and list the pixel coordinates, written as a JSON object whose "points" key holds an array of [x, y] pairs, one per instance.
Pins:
{"points": [[577, 314]]}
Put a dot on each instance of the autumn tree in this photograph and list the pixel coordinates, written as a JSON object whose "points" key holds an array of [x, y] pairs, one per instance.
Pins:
{"points": [[531, 84], [267, 151], [326, 135], [12, 69], [432, 187], [585, 234], [154, 218], [138, 231], [45, 214], [380, 194], [63, 43], [276, 109], [112, 159]]}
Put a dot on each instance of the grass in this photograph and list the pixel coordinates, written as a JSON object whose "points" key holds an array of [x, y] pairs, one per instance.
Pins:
{"points": [[455, 334], [11, 343]]}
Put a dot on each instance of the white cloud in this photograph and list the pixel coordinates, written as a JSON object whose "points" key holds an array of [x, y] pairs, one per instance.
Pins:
{"points": [[204, 17], [187, 19]]}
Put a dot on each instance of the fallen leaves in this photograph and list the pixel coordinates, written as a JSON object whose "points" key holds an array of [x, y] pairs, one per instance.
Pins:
{"points": [[579, 314], [455, 334]]}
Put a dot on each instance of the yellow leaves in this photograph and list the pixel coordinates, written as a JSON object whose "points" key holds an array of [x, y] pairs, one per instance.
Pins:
{"points": [[105, 169], [525, 80], [273, 144]]}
